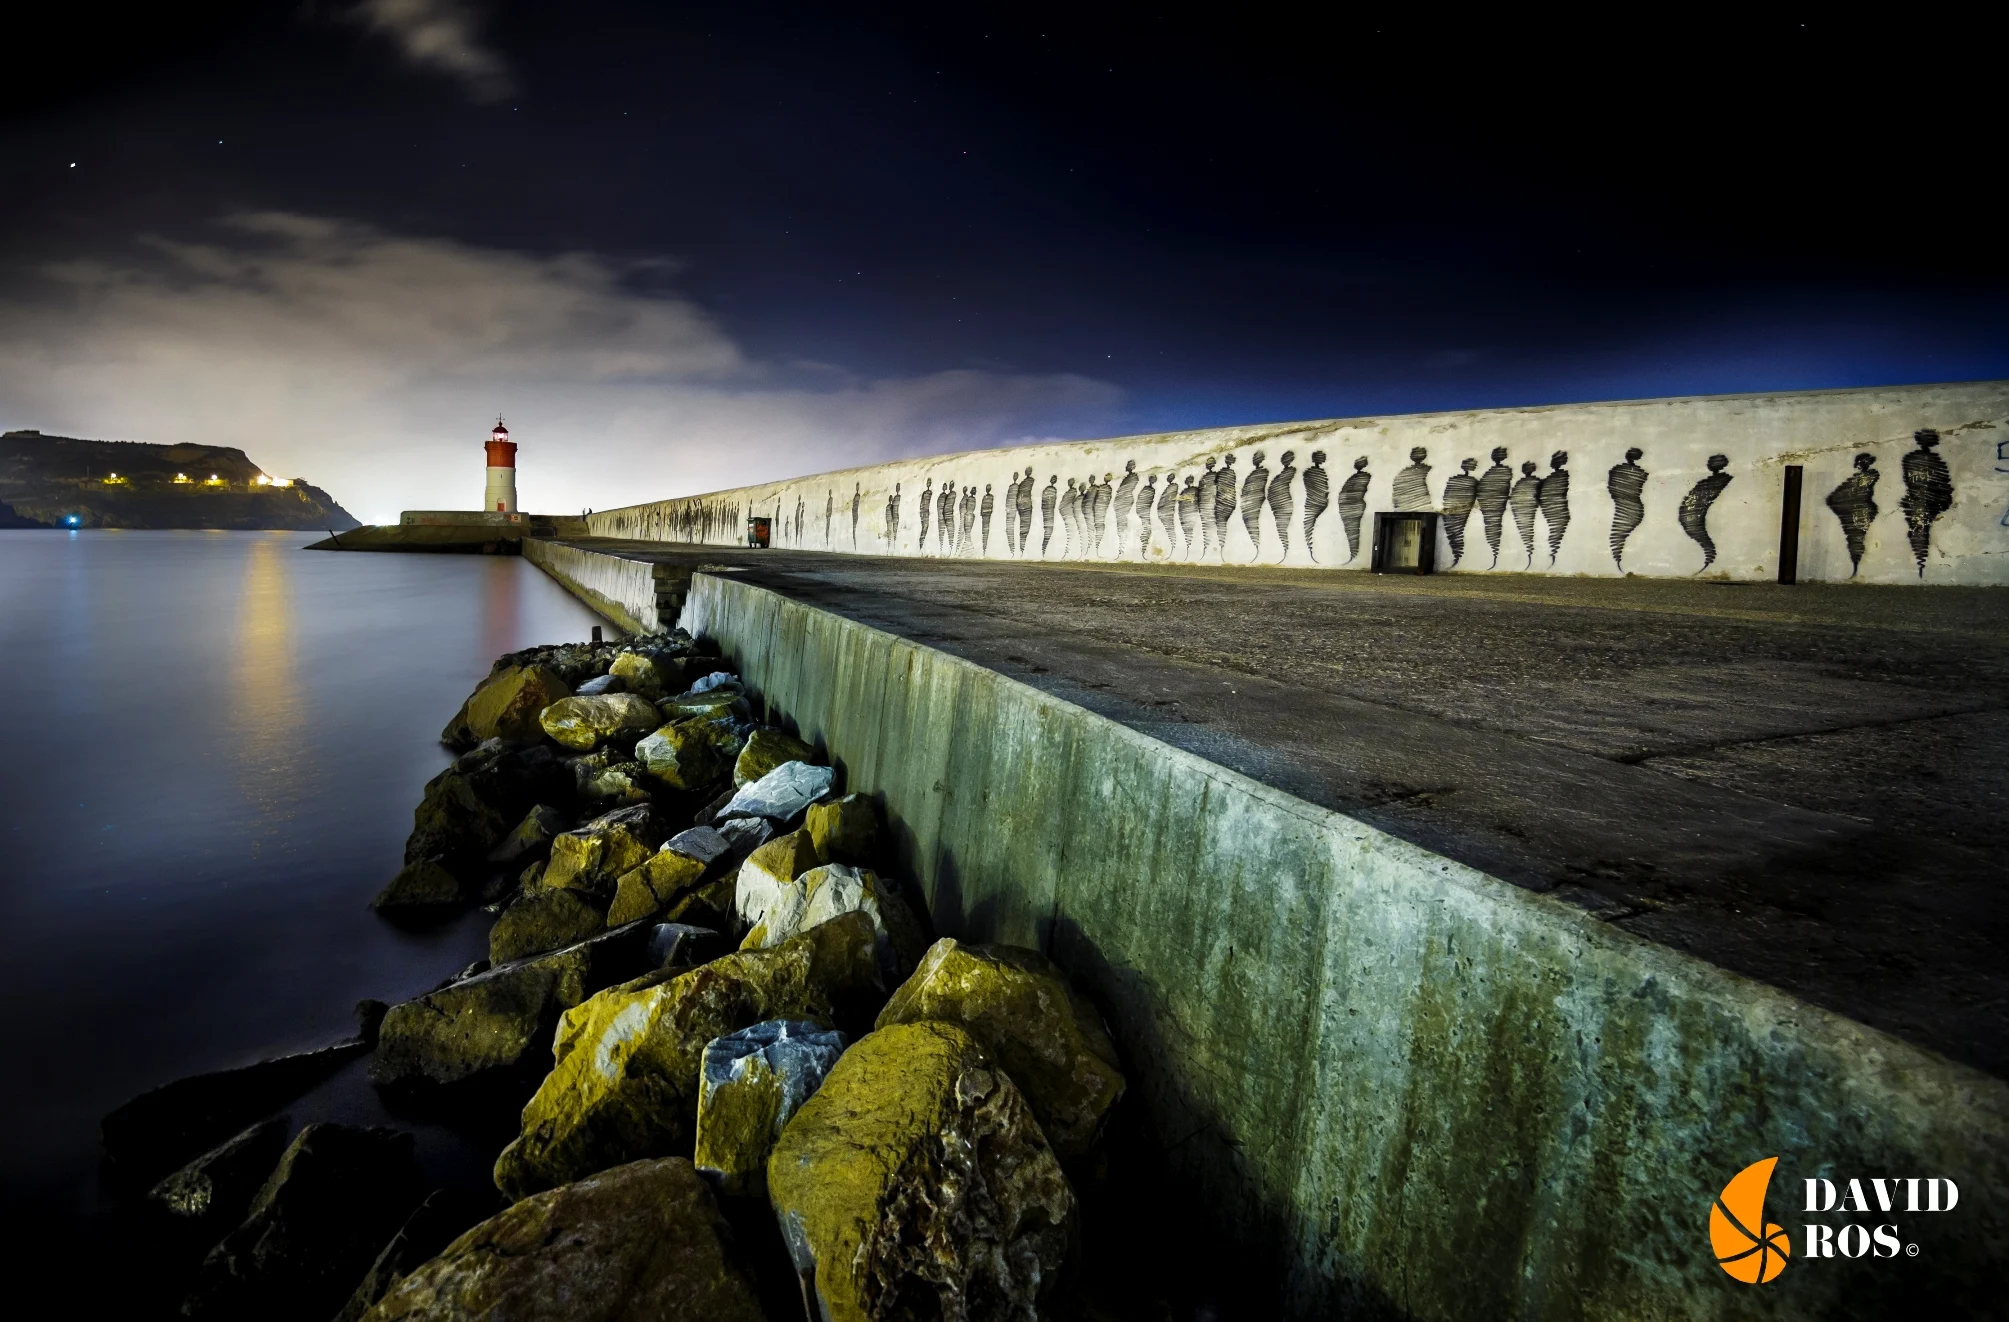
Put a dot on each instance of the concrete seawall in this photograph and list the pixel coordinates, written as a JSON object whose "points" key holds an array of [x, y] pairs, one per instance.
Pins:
{"points": [[1381, 1079], [622, 590]]}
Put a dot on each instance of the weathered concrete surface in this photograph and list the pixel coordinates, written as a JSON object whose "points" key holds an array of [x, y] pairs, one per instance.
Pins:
{"points": [[1393, 1081]]}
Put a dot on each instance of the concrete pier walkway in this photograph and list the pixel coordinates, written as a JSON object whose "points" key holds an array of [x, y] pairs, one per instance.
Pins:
{"points": [[1803, 785]]}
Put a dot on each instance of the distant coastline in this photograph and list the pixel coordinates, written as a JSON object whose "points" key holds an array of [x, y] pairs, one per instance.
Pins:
{"points": [[70, 482]]}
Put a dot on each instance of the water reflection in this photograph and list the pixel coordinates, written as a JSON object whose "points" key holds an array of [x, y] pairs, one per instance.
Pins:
{"points": [[266, 712]]}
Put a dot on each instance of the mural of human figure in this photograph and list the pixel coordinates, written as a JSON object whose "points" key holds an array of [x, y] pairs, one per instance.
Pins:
{"points": [[1523, 500], [1049, 496], [1317, 494], [1126, 501], [1461, 492], [1694, 512], [1494, 484], [1168, 513], [1412, 484], [857, 499], [1282, 504], [1255, 489], [1928, 493], [1098, 518], [1554, 502], [1627, 484], [1352, 503], [1227, 497], [989, 505], [1147, 502], [1206, 509], [801, 522], [1024, 505], [966, 520], [1854, 503], [829, 513], [1190, 522], [945, 521], [1070, 519], [927, 509]]}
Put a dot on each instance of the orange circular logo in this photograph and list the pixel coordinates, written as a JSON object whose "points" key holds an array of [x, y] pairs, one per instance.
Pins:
{"points": [[1751, 1250]]}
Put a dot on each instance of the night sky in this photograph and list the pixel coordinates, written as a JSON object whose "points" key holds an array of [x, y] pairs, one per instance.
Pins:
{"points": [[682, 246]]}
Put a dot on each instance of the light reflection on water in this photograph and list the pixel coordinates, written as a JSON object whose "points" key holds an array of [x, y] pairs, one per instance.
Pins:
{"points": [[214, 743]]}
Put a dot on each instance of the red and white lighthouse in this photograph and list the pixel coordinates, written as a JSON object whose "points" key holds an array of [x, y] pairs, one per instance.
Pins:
{"points": [[501, 471]]}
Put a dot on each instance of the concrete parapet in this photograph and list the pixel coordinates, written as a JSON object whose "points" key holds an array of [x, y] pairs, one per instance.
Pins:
{"points": [[1389, 1082]]}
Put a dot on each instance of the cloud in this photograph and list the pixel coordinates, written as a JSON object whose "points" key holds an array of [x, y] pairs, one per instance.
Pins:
{"points": [[443, 35], [373, 364]]}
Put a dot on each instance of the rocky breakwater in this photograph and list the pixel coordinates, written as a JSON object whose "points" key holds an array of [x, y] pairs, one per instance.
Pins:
{"points": [[742, 1079]]}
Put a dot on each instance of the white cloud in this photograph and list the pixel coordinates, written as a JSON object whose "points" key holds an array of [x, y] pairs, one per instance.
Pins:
{"points": [[373, 364], [444, 35]]}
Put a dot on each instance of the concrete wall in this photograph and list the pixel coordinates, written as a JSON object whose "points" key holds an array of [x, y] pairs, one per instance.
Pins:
{"points": [[1386, 1081], [1759, 435], [622, 590]]}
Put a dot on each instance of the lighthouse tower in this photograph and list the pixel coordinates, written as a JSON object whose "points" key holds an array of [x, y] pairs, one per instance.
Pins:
{"points": [[501, 471]]}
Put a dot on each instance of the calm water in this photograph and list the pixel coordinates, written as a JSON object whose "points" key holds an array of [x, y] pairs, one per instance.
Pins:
{"points": [[213, 745]]}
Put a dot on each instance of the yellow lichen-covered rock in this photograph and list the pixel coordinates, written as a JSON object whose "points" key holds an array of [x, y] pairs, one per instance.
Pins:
{"points": [[916, 1183], [651, 676], [764, 751], [543, 920], [625, 1083], [643, 1242], [749, 1086], [586, 723], [684, 755], [593, 857], [662, 879], [428, 883], [845, 830], [508, 704], [710, 905], [1044, 1033], [724, 705], [770, 870], [822, 893]]}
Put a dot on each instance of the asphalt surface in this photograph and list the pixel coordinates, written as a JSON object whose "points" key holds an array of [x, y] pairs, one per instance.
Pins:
{"points": [[1804, 785]]}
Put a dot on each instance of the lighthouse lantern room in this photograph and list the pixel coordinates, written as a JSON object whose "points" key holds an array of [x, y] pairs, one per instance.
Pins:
{"points": [[501, 497]]}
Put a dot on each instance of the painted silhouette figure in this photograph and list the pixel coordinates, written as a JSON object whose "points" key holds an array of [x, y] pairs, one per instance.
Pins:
{"points": [[1854, 503], [1523, 499], [1168, 512], [1098, 511], [1694, 513], [1049, 496], [1627, 484], [1011, 513], [1206, 490], [1190, 522], [966, 526], [945, 521], [1282, 504], [1146, 503], [1352, 503], [1461, 493], [1317, 495], [989, 504], [829, 513], [1412, 484], [857, 499], [1070, 519], [927, 509], [1494, 485], [1126, 500], [1928, 493], [1554, 502], [1025, 511], [1255, 489], [1226, 498]]}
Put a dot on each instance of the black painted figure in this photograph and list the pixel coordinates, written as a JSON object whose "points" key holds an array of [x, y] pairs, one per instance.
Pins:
{"points": [[1099, 511], [1025, 511], [1146, 505], [1255, 489], [1854, 503], [1627, 484], [1523, 499], [1070, 519], [1049, 496], [989, 505], [1168, 513], [945, 522], [1555, 502], [966, 525], [1928, 493], [1206, 496], [1190, 522], [1227, 498], [857, 499], [1011, 513], [1412, 484], [927, 509], [1494, 484], [1126, 501], [1461, 493], [829, 513], [801, 525], [1317, 494], [1694, 513], [1282, 504], [1352, 503]]}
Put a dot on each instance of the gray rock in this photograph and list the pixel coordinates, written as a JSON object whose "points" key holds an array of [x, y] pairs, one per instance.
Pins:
{"points": [[749, 1085], [593, 688], [216, 1188], [680, 943], [783, 794], [700, 842], [717, 679], [532, 837], [743, 835]]}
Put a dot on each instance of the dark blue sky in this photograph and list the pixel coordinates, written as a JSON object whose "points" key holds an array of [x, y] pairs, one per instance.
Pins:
{"points": [[1192, 220]]}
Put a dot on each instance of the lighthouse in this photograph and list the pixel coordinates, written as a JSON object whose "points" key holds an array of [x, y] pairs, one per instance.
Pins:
{"points": [[501, 471]]}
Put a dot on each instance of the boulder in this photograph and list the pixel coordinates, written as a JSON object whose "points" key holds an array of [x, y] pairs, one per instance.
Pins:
{"points": [[716, 680], [531, 839], [586, 723], [663, 878], [600, 684], [652, 673], [764, 751], [916, 1183], [543, 920], [624, 1085], [701, 843], [783, 794], [642, 1242], [470, 807], [426, 884], [683, 945], [593, 857], [337, 1195], [726, 706], [618, 781], [845, 830], [507, 704], [215, 1190], [1019, 1006], [770, 871], [683, 755], [821, 894], [749, 1085], [443, 1217], [500, 1021]]}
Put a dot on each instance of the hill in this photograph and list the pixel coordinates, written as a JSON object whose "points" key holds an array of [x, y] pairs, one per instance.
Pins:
{"points": [[68, 482]]}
